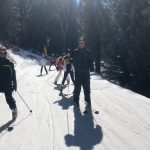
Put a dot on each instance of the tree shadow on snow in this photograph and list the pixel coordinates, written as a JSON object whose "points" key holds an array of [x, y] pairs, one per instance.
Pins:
{"points": [[65, 102], [86, 135]]}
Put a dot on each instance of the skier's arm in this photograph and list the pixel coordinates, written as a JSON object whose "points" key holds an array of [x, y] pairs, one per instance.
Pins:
{"points": [[90, 59], [14, 81], [74, 57]]}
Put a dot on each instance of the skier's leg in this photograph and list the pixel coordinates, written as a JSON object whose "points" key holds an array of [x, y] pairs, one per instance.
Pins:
{"points": [[77, 90], [50, 66], [65, 76], [68, 79], [62, 85], [45, 69], [41, 69], [72, 77], [12, 104], [86, 87], [10, 100]]}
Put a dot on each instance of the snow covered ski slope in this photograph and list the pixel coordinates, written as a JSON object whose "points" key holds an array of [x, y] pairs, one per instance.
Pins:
{"points": [[123, 122]]}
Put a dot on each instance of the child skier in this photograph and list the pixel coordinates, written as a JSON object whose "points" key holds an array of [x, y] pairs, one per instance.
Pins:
{"points": [[46, 45], [59, 67], [52, 61], [43, 63], [68, 69]]}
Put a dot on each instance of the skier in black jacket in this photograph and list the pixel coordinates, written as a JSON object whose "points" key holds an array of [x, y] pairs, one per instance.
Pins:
{"points": [[8, 82], [82, 63], [68, 69]]}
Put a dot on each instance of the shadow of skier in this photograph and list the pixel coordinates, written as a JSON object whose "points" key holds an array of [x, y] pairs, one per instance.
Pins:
{"points": [[86, 135], [65, 102]]}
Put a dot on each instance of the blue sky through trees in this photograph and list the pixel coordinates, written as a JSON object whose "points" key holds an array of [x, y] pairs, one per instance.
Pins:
{"points": [[78, 1]]}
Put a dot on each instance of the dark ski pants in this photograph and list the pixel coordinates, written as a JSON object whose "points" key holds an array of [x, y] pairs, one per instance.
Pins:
{"points": [[82, 79], [65, 76], [44, 68], [10, 100]]}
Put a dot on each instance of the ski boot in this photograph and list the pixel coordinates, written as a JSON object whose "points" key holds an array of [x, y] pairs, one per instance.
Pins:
{"points": [[55, 82], [61, 89]]}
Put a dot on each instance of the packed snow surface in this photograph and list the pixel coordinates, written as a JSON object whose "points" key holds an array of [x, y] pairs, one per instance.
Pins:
{"points": [[123, 122]]}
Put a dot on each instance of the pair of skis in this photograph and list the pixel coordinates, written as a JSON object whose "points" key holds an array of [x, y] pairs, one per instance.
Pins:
{"points": [[61, 90], [7, 127], [88, 110]]}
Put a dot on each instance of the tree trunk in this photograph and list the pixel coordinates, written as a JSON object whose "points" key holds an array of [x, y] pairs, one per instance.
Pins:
{"points": [[97, 64]]}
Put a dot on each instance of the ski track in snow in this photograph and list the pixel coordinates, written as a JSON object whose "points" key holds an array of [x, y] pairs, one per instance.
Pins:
{"points": [[122, 123]]}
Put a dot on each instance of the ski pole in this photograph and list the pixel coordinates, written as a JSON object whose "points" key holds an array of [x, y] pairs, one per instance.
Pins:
{"points": [[68, 114], [24, 102], [51, 76]]}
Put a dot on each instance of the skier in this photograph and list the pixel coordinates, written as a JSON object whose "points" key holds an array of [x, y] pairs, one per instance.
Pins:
{"points": [[59, 67], [8, 82], [82, 63], [68, 69], [43, 63], [46, 45], [52, 61]]}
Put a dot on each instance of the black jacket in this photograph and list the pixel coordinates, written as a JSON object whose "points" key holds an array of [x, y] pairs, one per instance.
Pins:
{"points": [[68, 61], [7, 76], [82, 59]]}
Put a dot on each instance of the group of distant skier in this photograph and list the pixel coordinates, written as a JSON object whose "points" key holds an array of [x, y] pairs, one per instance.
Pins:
{"points": [[76, 64]]}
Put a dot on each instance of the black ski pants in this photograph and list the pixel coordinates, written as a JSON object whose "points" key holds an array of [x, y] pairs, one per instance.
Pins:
{"points": [[44, 68], [10, 100], [65, 76], [82, 79]]}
